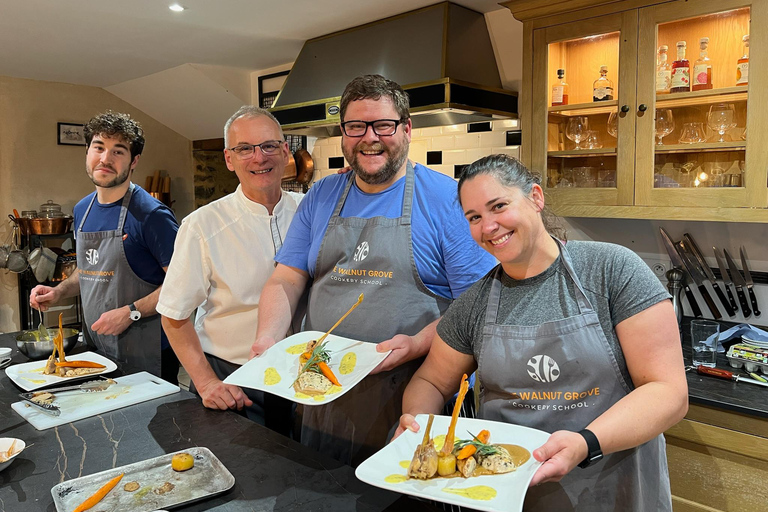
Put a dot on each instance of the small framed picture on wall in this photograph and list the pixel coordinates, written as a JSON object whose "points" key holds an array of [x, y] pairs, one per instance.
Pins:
{"points": [[70, 134]]}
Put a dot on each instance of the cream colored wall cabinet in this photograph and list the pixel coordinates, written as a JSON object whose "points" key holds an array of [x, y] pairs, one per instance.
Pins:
{"points": [[603, 158]]}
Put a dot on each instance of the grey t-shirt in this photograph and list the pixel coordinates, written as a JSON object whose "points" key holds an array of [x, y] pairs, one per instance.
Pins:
{"points": [[617, 283]]}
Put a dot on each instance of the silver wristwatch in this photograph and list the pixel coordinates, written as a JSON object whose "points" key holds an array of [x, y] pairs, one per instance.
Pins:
{"points": [[135, 313]]}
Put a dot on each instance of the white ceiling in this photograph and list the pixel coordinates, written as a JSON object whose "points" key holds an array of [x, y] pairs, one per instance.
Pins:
{"points": [[106, 42]]}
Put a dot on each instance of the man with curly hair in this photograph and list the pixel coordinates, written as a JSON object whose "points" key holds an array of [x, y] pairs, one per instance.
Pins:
{"points": [[124, 240]]}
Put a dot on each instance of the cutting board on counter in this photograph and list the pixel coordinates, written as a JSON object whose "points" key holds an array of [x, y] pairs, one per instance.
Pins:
{"points": [[75, 405]]}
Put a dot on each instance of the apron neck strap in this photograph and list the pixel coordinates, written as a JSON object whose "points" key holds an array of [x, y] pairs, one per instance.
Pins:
{"points": [[407, 194], [123, 209]]}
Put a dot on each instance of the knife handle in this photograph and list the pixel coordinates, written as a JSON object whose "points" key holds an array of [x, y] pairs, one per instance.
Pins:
{"points": [[743, 301], [723, 300], [753, 300], [715, 372], [730, 298], [710, 303], [692, 301]]}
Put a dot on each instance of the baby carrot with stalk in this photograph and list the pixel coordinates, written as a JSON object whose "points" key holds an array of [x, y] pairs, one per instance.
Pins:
{"points": [[99, 495], [470, 449], [326, 370]]}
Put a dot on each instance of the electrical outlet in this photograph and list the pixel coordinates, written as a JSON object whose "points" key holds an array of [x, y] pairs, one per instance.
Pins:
{"points": [[659, 267]]}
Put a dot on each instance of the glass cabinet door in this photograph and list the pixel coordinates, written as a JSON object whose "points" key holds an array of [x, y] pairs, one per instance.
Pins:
{"points": [[700, 139], [582, 139]]}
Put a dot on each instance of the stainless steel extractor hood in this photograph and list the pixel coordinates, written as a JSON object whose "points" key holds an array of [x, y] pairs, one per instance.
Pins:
{"points": [[441, 55]]}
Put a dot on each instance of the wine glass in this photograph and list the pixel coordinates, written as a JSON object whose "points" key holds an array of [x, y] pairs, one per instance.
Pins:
{"points": [[721, 118], [613, 124], [577, 129], [665, 123]]}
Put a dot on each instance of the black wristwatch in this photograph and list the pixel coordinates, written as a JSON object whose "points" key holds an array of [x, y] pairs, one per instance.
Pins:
{"points": [[594, 453]]}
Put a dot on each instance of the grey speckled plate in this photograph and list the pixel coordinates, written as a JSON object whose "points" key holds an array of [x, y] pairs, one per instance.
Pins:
{"points": [[207, 478]]}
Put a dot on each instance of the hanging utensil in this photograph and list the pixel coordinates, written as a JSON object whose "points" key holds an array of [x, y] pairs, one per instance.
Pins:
{"points": [[678, 263], [690, 244], [359, 300], [726, 279], [305, 167], [750, 283], [739, 283]]}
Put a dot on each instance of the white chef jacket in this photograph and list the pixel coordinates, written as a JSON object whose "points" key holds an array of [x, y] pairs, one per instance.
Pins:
{"points": [[223, 256]]}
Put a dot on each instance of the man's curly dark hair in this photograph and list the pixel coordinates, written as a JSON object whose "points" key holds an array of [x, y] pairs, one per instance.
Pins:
{"points": [[116, 124]]}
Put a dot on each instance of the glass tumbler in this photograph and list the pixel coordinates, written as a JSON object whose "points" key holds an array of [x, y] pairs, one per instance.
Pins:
{"points": [[704, 337]]}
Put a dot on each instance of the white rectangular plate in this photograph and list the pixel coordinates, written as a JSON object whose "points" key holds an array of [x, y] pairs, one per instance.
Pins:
{"points": [[29, 376], [388, 467], [207, 477], [277, 369]]}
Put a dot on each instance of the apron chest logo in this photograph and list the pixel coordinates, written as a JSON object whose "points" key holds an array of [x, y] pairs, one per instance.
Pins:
{"points": [[92, 256], [543, 369], [361, 252]]}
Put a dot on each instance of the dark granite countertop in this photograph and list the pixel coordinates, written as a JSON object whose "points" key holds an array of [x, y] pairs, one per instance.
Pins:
{"points": [[272, 473], [714, 392]]}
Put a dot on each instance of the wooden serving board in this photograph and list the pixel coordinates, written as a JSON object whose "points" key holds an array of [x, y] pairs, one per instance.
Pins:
{"points": [[76, 405]]}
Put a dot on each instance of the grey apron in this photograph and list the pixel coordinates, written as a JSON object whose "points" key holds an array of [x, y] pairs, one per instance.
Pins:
{"points": [[372, 256], [108, 282], [561, 375]]}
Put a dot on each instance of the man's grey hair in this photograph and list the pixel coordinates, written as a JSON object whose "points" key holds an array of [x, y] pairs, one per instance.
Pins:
{"points": [[250, 111]]}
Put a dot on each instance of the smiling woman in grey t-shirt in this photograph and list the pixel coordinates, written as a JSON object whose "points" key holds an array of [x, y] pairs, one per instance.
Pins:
{"points": [[578, 339]]}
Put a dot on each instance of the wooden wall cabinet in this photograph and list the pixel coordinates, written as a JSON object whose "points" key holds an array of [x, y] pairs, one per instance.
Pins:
{"points": [[614, 166]]}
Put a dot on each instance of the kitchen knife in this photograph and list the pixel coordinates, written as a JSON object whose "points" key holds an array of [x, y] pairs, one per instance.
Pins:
{"points": [[693, 270], [739, 283], [690, 244], [677, 262], [750, 283], [726, 279], [725, 374]]}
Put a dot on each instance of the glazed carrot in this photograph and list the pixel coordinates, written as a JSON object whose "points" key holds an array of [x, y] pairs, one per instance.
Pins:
{"points": [[80, 364], [99, 495], [449, 437], [60, 337], [328, 373], [470, 449], [303, 358]]}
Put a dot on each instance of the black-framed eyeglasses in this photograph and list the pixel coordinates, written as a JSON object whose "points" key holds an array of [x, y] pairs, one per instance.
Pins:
{"points": [[381, 127], [268, 148]]}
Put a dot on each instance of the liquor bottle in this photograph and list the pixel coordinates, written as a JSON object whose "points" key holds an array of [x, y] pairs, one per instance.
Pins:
{"points": [[681, 71], [560, 89], [663, 72], [602, 88], [702, 68], [742, 65]]}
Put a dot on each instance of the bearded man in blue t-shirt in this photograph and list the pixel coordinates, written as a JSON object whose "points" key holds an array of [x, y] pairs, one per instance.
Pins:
{"points": [[124, 239], [391, 230]]}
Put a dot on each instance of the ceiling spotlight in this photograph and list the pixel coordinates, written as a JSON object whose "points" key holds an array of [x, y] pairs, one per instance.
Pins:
{"points": [[176, 8]]}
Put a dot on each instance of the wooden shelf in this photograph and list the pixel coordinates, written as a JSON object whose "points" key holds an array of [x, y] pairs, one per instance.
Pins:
{"points": [[705, 97], [701, 147], [758, 215], [580, 153], [585, 109]]}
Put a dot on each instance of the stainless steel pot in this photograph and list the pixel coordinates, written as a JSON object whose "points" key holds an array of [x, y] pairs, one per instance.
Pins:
{"points": [[28, 345]]}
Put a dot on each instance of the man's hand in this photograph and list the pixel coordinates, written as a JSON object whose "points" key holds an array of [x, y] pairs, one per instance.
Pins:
{"points": [[261, 345], [217, 395], [562, 452], [113, 322], [42, 297], [407, 422], [404, 348]]}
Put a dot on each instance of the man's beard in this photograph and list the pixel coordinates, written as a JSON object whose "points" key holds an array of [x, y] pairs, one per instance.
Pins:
{"points": [[395, 159], [119, 179]]}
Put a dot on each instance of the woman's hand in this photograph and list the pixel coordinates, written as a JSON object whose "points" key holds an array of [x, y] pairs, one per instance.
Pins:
{"points": [[562, 452], [407, 422]]}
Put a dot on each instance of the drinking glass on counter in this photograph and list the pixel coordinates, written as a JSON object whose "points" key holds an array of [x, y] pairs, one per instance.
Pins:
{"points": [[576, 130], [704, 336], [721, 118], [665, 123]]}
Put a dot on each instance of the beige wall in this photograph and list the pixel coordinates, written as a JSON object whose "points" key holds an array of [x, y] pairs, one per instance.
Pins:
{"points": [[33, 168]]}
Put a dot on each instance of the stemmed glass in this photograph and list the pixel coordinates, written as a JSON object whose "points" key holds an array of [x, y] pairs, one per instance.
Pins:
{"points": [[613, 124], [721, 118], [665, 123], [577, 129]]}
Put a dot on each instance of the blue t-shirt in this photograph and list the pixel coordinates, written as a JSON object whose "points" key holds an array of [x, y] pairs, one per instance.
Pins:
{"points": [[150, 227], [447, 259]]}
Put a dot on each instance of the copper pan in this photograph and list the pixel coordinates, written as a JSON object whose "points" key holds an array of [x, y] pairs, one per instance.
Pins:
{"points": [[305, 167], [289, 174]]}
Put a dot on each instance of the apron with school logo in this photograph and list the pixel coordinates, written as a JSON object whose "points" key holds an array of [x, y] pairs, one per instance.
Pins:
{"points": [[372, 256], [107, 282], [561, 375]]}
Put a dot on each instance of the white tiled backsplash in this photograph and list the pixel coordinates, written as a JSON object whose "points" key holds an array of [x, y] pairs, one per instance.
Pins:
{"points": [[456, 144]]}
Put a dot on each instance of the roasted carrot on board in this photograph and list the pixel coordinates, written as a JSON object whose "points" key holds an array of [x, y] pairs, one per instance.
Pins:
{"points": [[99, 495]]}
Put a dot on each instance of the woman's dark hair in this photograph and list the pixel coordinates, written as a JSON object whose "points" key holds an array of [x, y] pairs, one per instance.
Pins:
{"points": [[511, 173], [116, 124]]}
